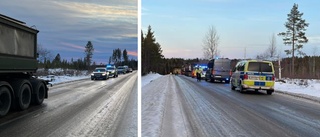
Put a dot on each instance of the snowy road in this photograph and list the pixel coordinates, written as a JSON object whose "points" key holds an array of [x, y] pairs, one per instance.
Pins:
{"points": [[81, 108], [180, 106]]}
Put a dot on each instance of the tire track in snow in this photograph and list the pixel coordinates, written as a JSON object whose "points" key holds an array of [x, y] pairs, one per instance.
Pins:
{"points": [[174, 123]]}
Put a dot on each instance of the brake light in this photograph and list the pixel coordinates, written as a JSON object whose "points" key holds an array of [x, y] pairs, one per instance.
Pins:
{"points": [[230, 72], [245, 76], [273, 77], [213, 72]]}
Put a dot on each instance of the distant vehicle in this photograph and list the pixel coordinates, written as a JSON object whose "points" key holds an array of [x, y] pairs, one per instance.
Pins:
{"points": [[130, 70], [253, 74], [100, 73], [113, 71], [122, 70], [126, 68], [219, 70], [18, 61]]}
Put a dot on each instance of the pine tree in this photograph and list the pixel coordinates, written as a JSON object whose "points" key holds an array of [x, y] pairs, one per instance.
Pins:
{"points": [[125, 57], [295, 34], [88, 54]]}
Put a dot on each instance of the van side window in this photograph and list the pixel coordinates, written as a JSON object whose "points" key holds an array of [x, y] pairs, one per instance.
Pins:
{"points": [[241, 67]]}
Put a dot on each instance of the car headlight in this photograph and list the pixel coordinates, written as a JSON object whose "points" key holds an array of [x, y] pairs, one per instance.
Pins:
{"points": [[103, 74], [92, 74]]}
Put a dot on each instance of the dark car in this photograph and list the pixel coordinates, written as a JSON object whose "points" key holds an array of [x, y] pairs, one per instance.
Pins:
{"points": [[100, 73], [113, 71]]}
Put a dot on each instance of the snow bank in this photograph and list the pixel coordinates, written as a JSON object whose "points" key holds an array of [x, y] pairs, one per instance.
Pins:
{"points": [[148, 78], [62, 79], [299, 87]]}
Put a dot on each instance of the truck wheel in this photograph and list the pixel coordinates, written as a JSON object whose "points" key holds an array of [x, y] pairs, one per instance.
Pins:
{"points": [[39, 90], [5, 101], [23, 92]]}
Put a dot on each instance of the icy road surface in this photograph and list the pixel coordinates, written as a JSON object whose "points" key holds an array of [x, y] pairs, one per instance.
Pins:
{"points": [[178, 106], [82, 108]]}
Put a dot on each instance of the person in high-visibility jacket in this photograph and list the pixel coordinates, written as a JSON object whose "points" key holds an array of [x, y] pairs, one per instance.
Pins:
{"points": [[198, 73]]}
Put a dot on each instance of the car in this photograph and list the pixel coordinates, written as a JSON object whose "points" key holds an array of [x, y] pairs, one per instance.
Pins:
{"points": [[253, 74], [113, 71], [126, 68], [130, 70], [219, 69], [100, 73], [121, 70]]}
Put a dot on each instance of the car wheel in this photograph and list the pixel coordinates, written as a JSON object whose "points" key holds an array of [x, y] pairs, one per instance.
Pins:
{"points": [[232, 87], [241, 89], [269, 92]]}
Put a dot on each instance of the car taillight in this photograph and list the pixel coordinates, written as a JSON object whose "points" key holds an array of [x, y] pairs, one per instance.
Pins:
{"points": [[273, 77], [245, 76], [213, 72], [230, 72]]}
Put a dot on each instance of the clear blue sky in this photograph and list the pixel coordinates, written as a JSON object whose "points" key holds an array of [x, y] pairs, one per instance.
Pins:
{"points": [[67, 25], [243, 25]]}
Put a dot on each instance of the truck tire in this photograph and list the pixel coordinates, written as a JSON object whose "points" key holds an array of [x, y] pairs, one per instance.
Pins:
{"points": [[5, 100], [39, 92], [23, 93]]}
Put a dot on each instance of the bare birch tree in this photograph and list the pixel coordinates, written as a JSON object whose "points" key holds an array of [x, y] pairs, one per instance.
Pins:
{"points": [[271, 52], [210, 43], [272, 47]]}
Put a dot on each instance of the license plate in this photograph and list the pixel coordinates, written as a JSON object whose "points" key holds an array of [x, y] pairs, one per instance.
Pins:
{"points": [[256, 77]]}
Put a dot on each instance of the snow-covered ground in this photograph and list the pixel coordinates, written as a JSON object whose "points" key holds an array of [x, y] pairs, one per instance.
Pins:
{"points": [[62, 79], [57, 76]]}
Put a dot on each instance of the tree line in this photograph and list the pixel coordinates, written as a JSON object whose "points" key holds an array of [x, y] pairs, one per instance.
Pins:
{"points": [[118, 58], [301, 66]]}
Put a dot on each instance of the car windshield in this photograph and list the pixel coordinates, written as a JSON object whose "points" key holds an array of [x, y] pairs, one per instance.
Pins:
{"points": [[260, 67], [99, 70], [222, 65], [120, 67], [110, 68]]}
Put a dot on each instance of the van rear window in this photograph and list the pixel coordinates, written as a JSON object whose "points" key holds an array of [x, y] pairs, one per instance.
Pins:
{"points": [[260, 67]]}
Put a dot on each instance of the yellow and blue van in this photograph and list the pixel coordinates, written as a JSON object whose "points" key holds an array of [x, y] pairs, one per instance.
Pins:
{"points": [[253, 74]]}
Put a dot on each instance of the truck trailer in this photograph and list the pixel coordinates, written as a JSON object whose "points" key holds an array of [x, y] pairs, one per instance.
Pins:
{"points": [[18, 62]]}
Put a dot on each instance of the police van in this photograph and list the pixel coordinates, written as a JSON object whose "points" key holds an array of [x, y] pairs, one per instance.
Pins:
{"points": [[253, 74]]}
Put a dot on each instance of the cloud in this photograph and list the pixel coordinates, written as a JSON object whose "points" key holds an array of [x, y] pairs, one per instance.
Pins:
{"points": [[133, 53], [73, 46], [67, 25], [314, 40]]}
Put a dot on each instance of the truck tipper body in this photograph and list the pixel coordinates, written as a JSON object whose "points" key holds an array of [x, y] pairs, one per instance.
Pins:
{"points": [[18, 62]]}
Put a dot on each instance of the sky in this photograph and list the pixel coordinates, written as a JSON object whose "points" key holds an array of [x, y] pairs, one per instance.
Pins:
{"points": [[66, 26], [245, 27]]}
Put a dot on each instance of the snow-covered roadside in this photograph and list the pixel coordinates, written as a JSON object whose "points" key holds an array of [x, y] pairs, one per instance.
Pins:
{"points": [[309, 89], [63, 79]]}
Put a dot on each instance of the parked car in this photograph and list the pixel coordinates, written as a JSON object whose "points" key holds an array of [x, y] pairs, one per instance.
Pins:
{"points": [[100, 73], [126, 68], [130, 70], [113, 71], [122, 70], [253, 74], [219, 70]]}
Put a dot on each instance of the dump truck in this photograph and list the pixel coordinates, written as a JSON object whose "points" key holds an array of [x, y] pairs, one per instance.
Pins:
{"points": [[18, 62]]}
